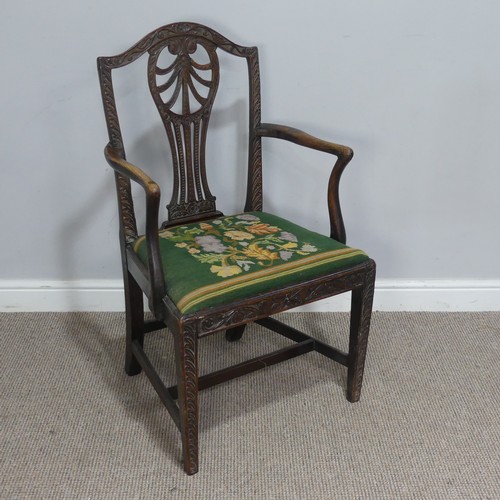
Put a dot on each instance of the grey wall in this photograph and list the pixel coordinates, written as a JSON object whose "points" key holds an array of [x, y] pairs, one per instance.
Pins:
{"points": [[413, 87]]}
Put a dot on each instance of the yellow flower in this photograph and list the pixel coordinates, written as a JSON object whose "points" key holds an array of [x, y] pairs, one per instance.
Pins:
{"points": [[166, 234], [263, 229], [225, 271], [193, 250], [290, 244], [238, 235], [205, 226], [181, 245]]}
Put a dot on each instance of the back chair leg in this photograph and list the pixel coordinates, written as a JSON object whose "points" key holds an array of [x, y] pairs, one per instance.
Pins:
{"points": [[134, 308], [186, 347], [361, 310], [234, 334]]}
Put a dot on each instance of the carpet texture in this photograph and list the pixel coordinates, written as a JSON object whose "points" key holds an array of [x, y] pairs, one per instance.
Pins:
{"points": [[73, 425]]}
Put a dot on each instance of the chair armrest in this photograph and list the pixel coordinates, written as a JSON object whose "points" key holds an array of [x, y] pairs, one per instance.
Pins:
{"points": [[303, 139], [131, 171], [344, 155], [153, 193]]}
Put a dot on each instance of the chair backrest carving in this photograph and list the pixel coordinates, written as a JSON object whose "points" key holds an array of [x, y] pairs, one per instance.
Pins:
{"points": [[183, 78]]}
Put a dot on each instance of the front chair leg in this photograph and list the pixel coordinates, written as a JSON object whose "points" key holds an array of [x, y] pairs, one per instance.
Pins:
{"points": [[234, 334], [134, 312], [361, 310], [187, 383]]}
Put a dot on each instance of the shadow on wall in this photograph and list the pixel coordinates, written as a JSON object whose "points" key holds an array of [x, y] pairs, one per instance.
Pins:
{"points": [[78, 228]]}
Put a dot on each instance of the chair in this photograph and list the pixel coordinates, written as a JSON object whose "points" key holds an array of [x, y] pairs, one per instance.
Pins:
{"points": [[202, 271]]}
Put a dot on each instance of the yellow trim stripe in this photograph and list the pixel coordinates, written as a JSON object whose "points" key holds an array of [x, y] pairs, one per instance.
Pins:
{"points": [[138, 242], [209, 291]]}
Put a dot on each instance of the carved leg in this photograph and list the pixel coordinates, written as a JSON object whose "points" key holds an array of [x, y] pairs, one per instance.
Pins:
{"points": [[234, 334], [361, 310], [134, 308], [187, 383]]}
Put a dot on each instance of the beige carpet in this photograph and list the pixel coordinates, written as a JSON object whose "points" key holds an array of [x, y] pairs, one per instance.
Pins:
{"points": [[73, 425]]}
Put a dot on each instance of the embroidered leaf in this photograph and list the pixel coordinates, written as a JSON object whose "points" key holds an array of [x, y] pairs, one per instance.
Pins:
{"points": [[225, 271], [165, 234], [245, 264], [262, 229], [194, 231], [258, 253], [209, 258], [239, 235], [179, 237]]}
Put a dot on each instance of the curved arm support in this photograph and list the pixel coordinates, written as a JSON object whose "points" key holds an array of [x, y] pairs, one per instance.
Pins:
{"points": [[344, 155], [152, 190]]}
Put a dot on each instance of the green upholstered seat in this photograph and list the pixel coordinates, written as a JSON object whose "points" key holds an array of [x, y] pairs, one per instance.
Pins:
{"points": [[233, 257]]}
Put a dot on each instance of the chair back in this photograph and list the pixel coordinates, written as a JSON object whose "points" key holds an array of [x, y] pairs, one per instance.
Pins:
{"points": [[183, 78]]}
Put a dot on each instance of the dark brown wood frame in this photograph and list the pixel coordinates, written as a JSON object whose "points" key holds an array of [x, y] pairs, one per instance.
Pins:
{"points": [[192, 201]]}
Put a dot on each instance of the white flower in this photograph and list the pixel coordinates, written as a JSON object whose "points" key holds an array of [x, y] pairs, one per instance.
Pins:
{"points": [[247, 217], [308, 248], [285, 255], [210, 243], [285, 235], [245, 264]]}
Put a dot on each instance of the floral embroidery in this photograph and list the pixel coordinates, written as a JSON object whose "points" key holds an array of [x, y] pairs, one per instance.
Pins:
{"points": [[241, 243], [285, 255], [308, 248], [259, 253], [247, 217], [239, 235], [225, 271], [288, 236], [263, 229], [210, 243]]}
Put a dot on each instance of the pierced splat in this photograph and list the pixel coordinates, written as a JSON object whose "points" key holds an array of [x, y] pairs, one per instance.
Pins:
{"points": [[183, 76], [184, 91]]}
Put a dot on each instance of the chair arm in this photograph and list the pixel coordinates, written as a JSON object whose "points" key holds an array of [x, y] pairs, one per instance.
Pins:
{"points": [[153, 192], [302, 139], [344, 155]]}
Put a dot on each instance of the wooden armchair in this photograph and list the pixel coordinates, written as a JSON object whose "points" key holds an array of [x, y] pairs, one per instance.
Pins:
{"points": [[203, 272]]}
